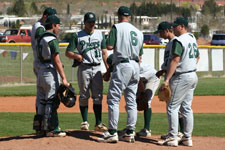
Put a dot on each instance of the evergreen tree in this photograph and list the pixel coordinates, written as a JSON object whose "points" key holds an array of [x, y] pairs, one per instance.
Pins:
{"points": [[18, 8], [205, 30], [34, 8], [211, 8]]}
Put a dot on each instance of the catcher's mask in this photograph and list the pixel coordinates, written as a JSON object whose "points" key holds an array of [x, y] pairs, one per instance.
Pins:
{"points": [[66, 95]]}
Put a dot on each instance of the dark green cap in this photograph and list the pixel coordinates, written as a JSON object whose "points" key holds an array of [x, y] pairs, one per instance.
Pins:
{"points": [[49, 11], [162, 26], [89, 17], [180, 21], [53, 19], [124, 11]]}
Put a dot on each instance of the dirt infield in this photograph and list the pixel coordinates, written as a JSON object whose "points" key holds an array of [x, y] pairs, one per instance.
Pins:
{"points": [[201, 104], [82, 140]]}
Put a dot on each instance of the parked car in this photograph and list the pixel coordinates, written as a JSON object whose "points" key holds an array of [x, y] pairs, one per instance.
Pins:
{"points": [[16, 35], [151, 39], [218, 39], [163, 41]]}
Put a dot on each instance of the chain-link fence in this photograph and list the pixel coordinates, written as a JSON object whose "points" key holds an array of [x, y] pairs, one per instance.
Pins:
{"points": [[16, 62]]}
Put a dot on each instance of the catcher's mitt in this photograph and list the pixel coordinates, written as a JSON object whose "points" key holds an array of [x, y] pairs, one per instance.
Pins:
{"points": [[164, 93], [66, 95], [76, 63], [142, 101]]}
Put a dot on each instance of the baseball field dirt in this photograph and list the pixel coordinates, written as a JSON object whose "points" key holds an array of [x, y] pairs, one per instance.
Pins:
{"points": [[83, 140]]}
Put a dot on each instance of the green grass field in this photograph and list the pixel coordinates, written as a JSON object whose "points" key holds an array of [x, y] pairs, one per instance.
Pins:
{"points": [[16, 124], [205, 87]]}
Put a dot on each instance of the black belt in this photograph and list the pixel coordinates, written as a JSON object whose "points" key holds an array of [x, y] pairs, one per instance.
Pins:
{"points": [[93, 64], [185, 72], [127, 61]]}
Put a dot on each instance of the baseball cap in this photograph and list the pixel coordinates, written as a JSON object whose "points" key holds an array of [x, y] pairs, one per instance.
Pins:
{"points": [[124, 11], [180, 21], [89, 17], [49, 11], [162, 26], [53, 19]]}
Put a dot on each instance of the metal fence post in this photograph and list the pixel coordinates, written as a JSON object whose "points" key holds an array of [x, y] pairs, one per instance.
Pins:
{"points": [[72, 74], [157, 58], [210, 60]]}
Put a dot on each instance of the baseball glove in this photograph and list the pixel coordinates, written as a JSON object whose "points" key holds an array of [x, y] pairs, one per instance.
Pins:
{"points": [[142, 101], [164, 93], [66, 95], [76, 63]]}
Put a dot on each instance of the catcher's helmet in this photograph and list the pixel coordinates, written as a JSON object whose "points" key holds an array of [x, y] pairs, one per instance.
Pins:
{"points": [[66, 95]]}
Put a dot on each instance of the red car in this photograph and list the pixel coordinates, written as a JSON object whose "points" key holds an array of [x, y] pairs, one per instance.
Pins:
{"points": [[151, 39], [16, 35]]}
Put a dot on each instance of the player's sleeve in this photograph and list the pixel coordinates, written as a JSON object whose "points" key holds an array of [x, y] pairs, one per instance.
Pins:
{"points": [[39, 32], [73, 43], [54, 46], [198, 53], [103, 43], [177, 48], [111, 40], [141, 51]]}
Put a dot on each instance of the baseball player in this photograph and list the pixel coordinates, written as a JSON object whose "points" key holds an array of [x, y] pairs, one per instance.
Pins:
{"points": [[127, 42], [182, 79], [149, 82], [165, 31], [37, 30], [50, 68], [91, 48]]}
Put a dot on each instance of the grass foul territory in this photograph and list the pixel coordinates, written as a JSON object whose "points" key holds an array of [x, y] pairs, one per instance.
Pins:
{"points": [[16, 124], [205, 87]]}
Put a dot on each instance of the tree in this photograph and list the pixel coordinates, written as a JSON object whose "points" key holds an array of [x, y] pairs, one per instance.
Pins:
{"points": [[68, 9], [205, 30], [133, 8], [18, 8], [34, 8], [211, 8]]}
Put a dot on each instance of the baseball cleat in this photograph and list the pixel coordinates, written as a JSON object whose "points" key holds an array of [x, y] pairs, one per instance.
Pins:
{"points": [[56, 134], [108, 138], [84, 126], [186, 141], [165, 136], [101, 127], [169, 141], [179, 136], [128, 137], [144, 133], [40, 133]]}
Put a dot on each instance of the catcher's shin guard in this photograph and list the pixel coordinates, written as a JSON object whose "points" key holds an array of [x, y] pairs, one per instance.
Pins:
{"points": [[47, 116], [37, 122]]}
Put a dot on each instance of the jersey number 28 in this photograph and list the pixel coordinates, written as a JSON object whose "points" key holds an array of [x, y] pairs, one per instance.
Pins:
{"points": [[193, 50]]}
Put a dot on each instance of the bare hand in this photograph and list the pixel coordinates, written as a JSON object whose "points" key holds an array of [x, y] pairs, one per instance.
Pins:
{"points": [[79, 57], [64, 81]]}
